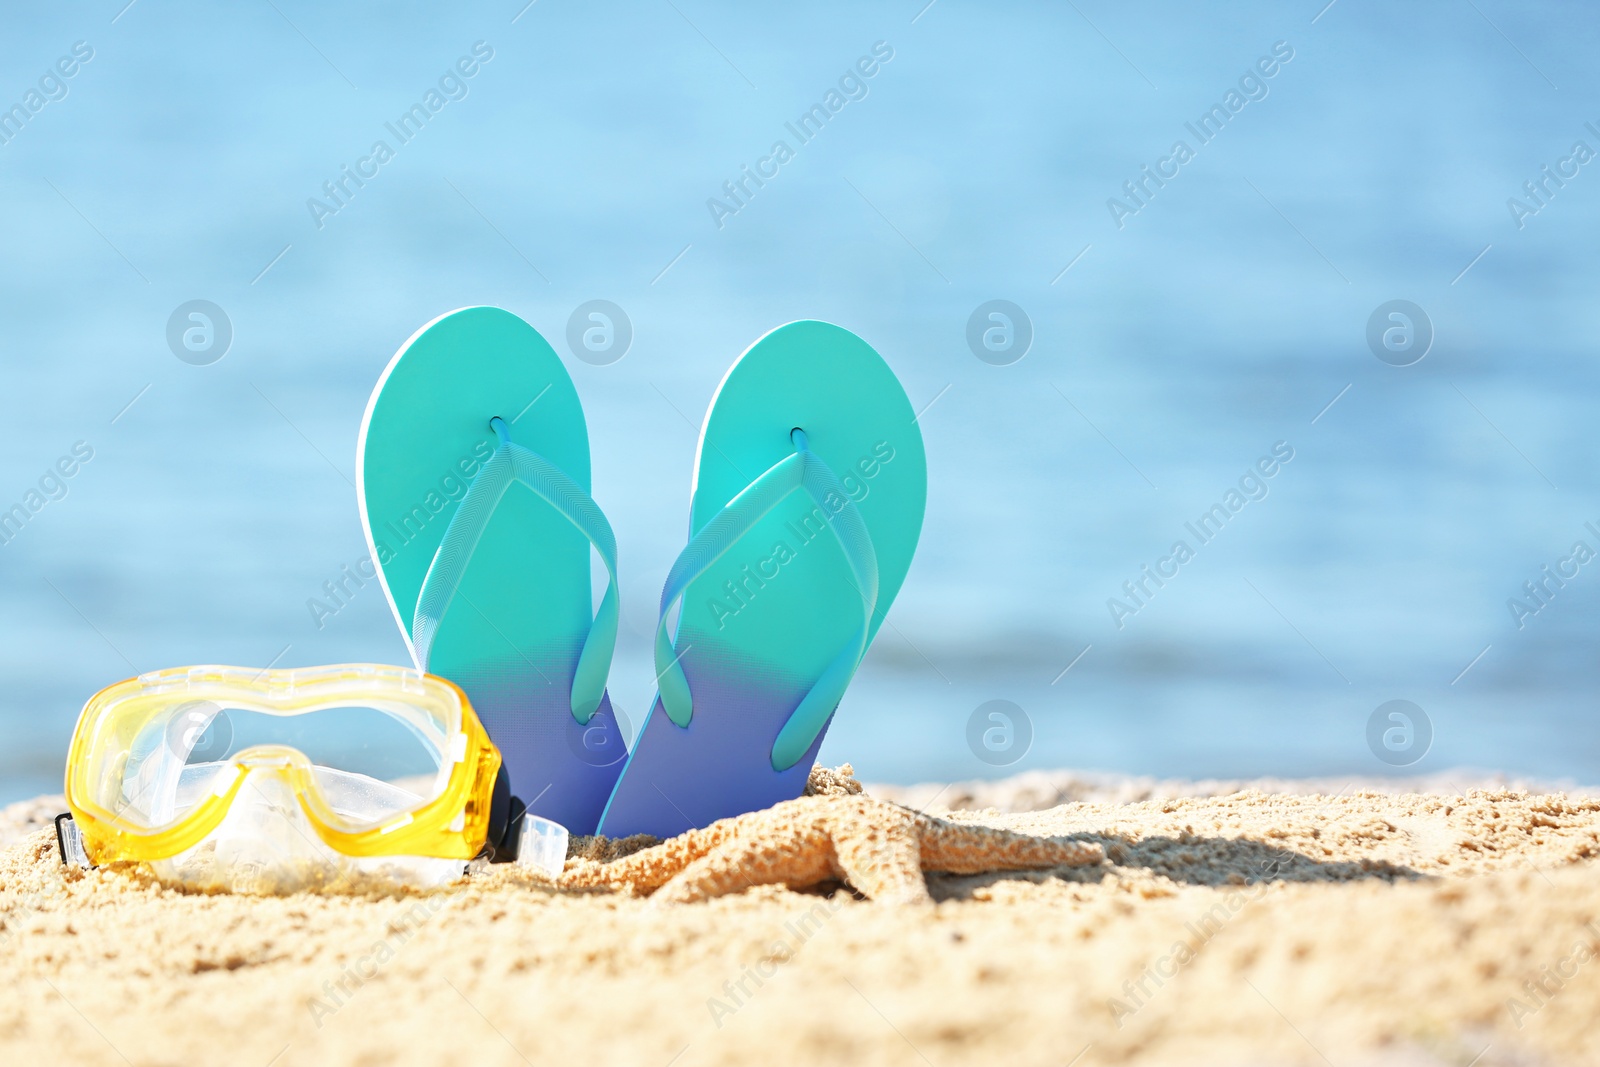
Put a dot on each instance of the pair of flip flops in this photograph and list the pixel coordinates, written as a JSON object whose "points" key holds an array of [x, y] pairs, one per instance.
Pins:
{"points": [[807, 501]]}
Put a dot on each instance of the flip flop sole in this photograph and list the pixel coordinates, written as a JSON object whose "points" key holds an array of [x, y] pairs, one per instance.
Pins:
{"points": [[516, 627], [758, 629]]}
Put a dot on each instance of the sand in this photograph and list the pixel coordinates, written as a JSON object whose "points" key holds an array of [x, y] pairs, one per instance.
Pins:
{"points": [[1242, 927]]}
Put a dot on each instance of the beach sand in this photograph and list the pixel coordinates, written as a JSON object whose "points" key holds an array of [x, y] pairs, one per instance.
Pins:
{"points": [[1273, 924]]}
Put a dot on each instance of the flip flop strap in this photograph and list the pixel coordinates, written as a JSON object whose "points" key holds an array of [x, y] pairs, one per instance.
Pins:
{"points": [[726, 527], [512, 462]]}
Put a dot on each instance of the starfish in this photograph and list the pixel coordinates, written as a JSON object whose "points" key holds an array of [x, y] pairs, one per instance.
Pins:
{"points": [[880, 849]]}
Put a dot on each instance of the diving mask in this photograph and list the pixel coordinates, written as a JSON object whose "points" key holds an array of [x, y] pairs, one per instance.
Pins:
{"points": [[280, 780]]}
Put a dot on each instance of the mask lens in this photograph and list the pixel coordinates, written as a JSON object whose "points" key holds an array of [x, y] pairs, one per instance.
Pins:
{"points": [[371, 761]]}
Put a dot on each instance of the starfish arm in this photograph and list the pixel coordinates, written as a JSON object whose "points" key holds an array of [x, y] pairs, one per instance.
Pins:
{"points": [[883, 863], [797, 858], [652, 867], [974, 849]]}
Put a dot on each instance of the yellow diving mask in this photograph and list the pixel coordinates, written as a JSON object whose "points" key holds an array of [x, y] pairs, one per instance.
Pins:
{"points": [[280, 780]]}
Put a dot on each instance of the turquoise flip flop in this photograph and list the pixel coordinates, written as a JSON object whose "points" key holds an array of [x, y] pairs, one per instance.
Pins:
{"points": [[473, 479], [807, 504]]}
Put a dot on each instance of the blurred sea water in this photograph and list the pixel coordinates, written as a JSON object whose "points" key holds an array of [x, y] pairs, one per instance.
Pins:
{"points": [[988, 156]]}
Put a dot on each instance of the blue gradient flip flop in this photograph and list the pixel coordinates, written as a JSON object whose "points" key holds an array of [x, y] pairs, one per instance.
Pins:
{"points": [[807, 504], [473, 478]]}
